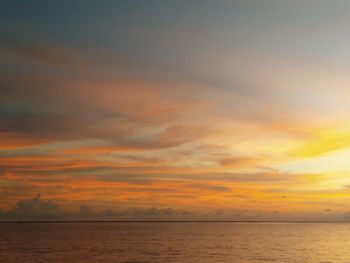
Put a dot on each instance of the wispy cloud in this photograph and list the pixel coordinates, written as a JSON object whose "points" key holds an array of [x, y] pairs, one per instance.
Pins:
{"points": [[19, 45]]}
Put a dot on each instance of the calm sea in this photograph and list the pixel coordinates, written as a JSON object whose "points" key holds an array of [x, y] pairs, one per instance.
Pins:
{"points": [[174, 242]]}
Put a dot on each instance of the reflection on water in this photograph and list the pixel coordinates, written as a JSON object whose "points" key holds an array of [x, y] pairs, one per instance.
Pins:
{"points": [[175, 242]]}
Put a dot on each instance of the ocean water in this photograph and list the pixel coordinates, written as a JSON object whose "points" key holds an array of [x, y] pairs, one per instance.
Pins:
{"points": [[174, 242]]}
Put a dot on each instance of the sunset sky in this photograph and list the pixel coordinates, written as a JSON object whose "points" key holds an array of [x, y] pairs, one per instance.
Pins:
{"points": [[241, 106]]}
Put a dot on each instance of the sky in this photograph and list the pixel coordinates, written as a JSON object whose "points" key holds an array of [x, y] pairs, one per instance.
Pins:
{"points": [[237, 109]]}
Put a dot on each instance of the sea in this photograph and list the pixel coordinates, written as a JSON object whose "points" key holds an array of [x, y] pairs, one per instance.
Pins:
{"points": [[197, 242]]}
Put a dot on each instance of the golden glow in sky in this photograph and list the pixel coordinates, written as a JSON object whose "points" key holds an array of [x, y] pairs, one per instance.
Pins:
{"points": [[195, 106]]}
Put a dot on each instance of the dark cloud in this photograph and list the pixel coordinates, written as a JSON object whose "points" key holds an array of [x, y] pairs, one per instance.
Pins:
{"points": [[36, 208], [214, 188], [40, 209], [43, 126], [347, 215]]}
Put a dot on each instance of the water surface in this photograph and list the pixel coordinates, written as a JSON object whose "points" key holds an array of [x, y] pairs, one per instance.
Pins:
{"points": [[174, 242]]}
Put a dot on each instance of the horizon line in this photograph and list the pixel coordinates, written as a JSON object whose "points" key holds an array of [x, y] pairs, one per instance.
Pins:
{"points": [[171, 221]]}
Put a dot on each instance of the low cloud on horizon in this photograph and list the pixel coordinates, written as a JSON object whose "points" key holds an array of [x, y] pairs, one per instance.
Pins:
{"points": [[39, 209]]}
